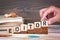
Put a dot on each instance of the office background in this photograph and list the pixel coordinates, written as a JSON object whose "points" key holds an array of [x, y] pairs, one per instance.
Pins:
{"points": [[26, 8]]}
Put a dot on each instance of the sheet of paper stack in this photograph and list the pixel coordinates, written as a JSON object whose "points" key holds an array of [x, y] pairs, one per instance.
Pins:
{"points": [[11, 21], [8, 19], [12, 24]]}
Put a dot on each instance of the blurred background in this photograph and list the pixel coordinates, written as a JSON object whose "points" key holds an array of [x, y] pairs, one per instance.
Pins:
{"points": [[26, 8]]}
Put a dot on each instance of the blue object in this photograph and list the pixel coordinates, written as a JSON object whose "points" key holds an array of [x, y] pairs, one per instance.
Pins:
{"points": [[33, 36]]}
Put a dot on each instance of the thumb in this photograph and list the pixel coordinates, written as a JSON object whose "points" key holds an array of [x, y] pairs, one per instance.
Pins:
{"points": [[52, 20]]}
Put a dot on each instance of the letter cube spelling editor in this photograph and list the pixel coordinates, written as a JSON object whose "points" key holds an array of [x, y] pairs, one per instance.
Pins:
{"points": [[23, 29], [44, 27], [16, 30], [37, 29], [30, 28]]}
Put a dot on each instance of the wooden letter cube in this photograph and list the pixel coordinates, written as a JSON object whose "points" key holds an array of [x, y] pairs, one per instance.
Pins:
{"points": [[37, 29], [17, 30], [10, 31], [44, 27], [23, 29], [30, 28]]}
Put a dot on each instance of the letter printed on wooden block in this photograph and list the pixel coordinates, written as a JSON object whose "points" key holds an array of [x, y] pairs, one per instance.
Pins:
{"points": [[10, 30], [23, 27], [37, 24], [30, 26], [17, 29], [44, 23], [44, 27]]}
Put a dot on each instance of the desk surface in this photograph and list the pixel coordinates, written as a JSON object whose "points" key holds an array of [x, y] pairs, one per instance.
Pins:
{"points": [[53, 34], [46, 37]]}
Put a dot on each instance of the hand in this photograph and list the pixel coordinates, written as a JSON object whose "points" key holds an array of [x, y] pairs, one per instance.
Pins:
{"points": [[51, 14]]}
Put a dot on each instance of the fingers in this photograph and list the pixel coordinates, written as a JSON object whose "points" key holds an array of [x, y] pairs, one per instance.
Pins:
{"points": [[42, 11], [48, 11], [52, 20], [45, 14]]}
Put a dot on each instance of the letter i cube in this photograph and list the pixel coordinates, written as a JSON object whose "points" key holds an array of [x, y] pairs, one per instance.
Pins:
{"points": [[44, 27], [23, 29]]}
